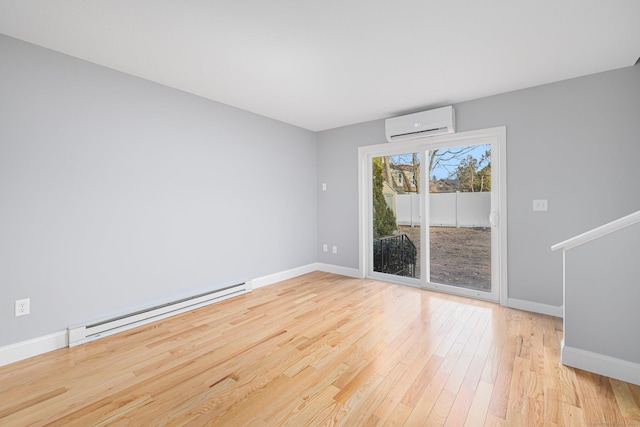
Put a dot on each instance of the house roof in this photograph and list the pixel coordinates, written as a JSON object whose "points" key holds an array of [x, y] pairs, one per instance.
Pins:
{"points": [[325, 64], [402, 167]]}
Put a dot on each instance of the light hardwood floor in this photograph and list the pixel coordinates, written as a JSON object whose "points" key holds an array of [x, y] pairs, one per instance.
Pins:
{"points": [[321, 349]]}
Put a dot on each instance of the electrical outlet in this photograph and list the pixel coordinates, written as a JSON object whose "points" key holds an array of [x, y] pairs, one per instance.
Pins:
{"points": [[23, 307], [335, 249], [325, 248]]}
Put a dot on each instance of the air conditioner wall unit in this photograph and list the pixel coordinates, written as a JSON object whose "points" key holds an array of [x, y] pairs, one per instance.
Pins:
{"points": [[418, 125]]}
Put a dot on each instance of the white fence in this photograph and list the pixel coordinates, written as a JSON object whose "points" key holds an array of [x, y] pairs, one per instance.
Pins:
{"points": [[446, 209]]}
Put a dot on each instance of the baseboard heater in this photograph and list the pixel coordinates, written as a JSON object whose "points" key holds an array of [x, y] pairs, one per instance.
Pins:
{"points": [[81, 334]]}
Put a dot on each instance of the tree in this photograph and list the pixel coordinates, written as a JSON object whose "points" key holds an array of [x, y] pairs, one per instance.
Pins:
{"points": [[446, 159], [466, 173], [484, 174], [415, 159], [386, 169], [384, 221], [473, 174], [407, 166]]}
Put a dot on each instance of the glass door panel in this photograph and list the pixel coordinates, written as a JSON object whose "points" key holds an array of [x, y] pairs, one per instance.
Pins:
{"points": [[459, 205], [395, 225]]}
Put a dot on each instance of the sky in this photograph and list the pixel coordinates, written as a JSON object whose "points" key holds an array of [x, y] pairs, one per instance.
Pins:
{"points": [[445, 169]]}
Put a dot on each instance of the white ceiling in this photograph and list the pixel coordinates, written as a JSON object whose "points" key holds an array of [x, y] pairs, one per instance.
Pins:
{"points": [[328, 63]]}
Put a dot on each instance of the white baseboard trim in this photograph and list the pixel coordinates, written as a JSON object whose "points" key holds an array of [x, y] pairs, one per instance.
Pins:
{"points": [[535, 307], [343, 271], [299, 271], [40, 345], [283, 275], [601, 364], [33, 347]]}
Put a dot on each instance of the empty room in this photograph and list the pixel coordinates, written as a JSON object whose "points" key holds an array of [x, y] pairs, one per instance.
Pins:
{"points": [[319, 213]]}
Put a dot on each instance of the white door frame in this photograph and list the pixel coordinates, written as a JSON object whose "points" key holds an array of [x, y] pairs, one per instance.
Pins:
{"points": [[498, 135]]}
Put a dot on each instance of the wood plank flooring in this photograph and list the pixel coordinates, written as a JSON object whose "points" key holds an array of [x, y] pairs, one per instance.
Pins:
{"points": [[321, 349]]}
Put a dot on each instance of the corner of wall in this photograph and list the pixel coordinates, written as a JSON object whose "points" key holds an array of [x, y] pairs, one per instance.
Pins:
{"points": [[536, 307], [601, 364], [343, 271]]}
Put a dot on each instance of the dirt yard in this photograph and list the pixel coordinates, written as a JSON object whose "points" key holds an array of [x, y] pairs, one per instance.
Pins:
{"points": [[459, 256]]}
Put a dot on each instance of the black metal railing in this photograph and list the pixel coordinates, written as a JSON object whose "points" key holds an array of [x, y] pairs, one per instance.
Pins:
{"points": [[395, 255]]}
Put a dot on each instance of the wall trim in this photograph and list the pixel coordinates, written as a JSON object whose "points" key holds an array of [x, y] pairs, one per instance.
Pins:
{"points": [[536, 307], [601, 364], [343, 271], [55, 341], [270, 279], [33, 347], [305, 269]]}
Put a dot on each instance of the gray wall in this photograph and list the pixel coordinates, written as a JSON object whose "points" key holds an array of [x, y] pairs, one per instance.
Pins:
{"points": [[118, 193], [575, 143], [602, 291], [338, 206]]}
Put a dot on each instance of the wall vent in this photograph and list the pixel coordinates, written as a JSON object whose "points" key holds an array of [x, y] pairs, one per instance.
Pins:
{"points": [[81, 334]]}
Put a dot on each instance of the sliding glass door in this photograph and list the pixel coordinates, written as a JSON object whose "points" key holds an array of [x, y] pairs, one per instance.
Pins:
{"points": [[433, 213]]}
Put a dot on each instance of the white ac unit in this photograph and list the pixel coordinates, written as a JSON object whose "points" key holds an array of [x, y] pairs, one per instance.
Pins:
{"points": [[418, 125]]}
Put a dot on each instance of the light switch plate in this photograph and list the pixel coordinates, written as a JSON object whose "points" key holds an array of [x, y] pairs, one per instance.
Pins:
{"points": [[540, 205]]}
